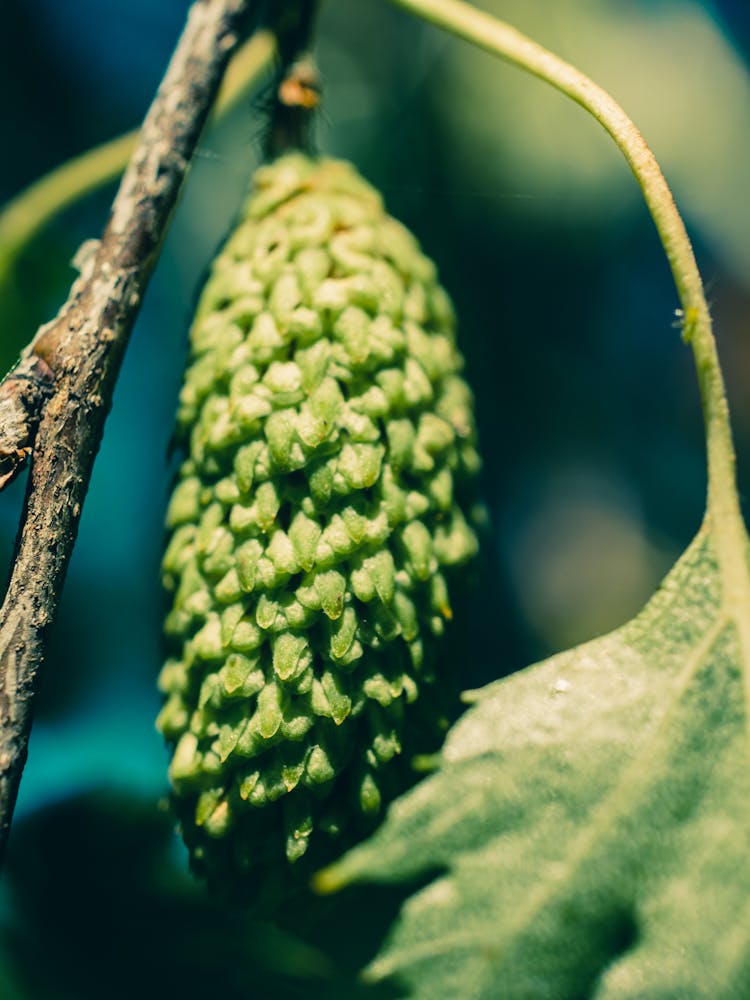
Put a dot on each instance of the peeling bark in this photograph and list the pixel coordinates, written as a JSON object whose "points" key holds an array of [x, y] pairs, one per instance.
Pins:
{"points": [[22, 397]]}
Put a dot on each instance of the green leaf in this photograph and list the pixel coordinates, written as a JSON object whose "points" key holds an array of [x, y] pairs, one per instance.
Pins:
{"points": [[587, 832]]}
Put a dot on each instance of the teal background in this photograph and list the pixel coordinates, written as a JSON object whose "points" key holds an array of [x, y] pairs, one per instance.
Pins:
{"points": [[586, 402]]}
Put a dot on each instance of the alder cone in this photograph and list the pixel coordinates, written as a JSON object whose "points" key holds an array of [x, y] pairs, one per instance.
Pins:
{"points": [[315, 522]]}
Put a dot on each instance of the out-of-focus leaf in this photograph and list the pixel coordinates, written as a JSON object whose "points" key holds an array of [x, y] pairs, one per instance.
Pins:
{"points": [[588, 830], [95, 903], [672, 69]]}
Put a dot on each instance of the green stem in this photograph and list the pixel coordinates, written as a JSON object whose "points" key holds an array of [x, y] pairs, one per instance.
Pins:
{"points": [[502, 40], [30, 211]]}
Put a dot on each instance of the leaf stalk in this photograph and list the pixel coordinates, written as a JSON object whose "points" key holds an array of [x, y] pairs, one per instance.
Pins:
{"points": [[500, 39], [22, 218]]}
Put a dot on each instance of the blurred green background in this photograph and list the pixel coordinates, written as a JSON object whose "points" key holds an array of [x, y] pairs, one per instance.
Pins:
{"points": [[586, 401]]}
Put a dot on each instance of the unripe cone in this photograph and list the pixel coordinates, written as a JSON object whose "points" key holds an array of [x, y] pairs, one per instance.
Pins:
{"points": [[315, 521]]}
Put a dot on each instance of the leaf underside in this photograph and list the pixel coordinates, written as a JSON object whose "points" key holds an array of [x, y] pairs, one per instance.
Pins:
{"points": [[588, 830]]}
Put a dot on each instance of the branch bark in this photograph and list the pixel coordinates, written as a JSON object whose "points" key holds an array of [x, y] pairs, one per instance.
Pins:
{"points": [[73, 363]]}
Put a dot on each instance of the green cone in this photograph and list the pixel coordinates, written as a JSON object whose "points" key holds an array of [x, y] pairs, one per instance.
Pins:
{"points": [[315, 523]]}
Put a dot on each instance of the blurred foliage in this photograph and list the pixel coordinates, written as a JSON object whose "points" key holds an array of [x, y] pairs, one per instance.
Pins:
{"points": [[142, 927], [587, 404]]}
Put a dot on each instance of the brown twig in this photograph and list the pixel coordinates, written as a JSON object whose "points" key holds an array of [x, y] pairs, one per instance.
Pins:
{"points": [[297, 93], [74, 361], [22, 395]]}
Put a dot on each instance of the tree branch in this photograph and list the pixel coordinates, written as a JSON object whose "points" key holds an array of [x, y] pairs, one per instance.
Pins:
{"points": [[75, 360]]}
